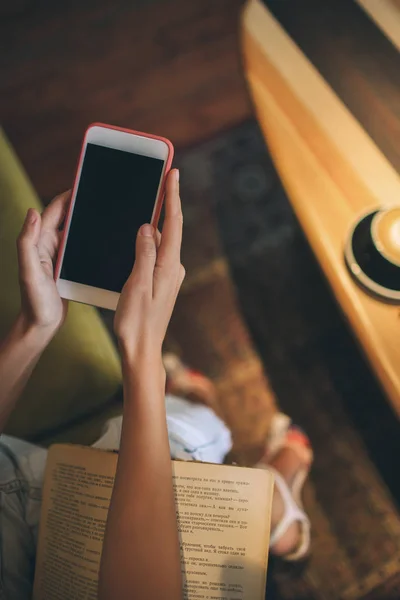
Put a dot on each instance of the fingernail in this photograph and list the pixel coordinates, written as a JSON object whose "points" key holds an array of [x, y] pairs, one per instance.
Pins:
{"points": [[177, 175], [147, 230], [31, 216]]}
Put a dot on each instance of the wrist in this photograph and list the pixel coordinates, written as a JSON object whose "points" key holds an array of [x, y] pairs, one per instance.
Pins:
{"points": [[143, 367], [35, 336]]}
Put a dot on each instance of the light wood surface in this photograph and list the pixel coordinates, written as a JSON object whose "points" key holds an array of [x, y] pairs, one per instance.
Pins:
{"points": [[332, 171]]}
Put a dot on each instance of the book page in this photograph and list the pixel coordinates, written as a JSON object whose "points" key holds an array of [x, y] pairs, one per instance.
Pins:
{"points": [[223, 517], [76, 496], [224, 523]]}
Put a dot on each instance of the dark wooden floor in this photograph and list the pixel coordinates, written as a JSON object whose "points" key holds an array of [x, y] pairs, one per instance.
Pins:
{"points": [[166, 66]]}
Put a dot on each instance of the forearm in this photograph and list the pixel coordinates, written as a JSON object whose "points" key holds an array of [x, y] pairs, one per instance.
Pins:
{"points": [[19, 354], [141, 555]]}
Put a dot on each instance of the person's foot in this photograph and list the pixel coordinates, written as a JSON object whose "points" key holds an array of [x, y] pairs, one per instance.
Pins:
{"points": [[188, 383], [294, 457]]}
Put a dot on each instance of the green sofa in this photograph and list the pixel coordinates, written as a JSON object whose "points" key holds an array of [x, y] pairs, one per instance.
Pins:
{"points": [[76, 386]]}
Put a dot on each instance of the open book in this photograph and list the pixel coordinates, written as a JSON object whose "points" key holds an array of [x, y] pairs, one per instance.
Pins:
{"points": [[223, 519]]}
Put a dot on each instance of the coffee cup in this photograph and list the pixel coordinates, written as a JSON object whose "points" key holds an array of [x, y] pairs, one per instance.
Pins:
{"points": [[385, 231], [373, 252]]}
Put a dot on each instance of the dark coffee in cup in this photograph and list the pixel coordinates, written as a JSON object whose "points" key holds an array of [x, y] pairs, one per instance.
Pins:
{"points": [[373, 252]]}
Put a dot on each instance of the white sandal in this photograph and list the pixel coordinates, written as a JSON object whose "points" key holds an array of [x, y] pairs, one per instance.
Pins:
{"points": [[278, 439], [293, 513]]}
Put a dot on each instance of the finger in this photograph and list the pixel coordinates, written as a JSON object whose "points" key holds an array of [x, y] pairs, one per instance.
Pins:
{"points": [[27, 246], [182, 275], [158, 238], [54, 214], [146, 255], [181, 278], [171, 239]]}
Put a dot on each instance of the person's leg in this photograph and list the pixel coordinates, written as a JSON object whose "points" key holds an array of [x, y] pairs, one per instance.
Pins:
{"points": [[22, 468]]}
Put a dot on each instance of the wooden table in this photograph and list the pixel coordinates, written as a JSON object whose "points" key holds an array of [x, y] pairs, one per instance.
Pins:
{"points": [[331, 168]]}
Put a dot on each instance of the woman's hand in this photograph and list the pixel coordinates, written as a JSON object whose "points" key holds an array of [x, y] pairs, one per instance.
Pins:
{"points": [[142, 509], [148, 297], [42, 308]]}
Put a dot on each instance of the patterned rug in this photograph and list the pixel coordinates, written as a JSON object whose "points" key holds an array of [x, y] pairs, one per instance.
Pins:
{"points": [[237, 214]]}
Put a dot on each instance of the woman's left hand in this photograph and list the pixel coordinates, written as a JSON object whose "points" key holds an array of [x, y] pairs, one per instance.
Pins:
{"points": [[41, 305]]}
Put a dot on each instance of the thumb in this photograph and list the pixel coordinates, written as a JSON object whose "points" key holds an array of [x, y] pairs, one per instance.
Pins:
{"points": [[146, 255], [28, 256]]}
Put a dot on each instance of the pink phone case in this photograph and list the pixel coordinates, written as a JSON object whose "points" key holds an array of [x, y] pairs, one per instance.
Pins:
{"points": [[159, 199]]}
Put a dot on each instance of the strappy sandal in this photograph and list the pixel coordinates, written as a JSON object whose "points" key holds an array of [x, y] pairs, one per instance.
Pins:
{"points": [[283, 434]]}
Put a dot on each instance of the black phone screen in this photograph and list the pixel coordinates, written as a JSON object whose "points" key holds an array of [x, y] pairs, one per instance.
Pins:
{"points": [[116, 195]]}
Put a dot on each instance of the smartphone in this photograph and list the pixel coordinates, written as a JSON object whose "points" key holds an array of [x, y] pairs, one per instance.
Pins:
{"points": [[119, 186]]}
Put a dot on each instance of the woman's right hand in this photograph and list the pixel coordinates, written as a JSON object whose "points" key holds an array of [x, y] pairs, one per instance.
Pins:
{"points": [[132, 542], [148, 297]]}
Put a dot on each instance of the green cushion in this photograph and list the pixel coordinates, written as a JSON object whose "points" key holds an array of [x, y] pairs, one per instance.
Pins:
{"points": [[80, 370]]}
